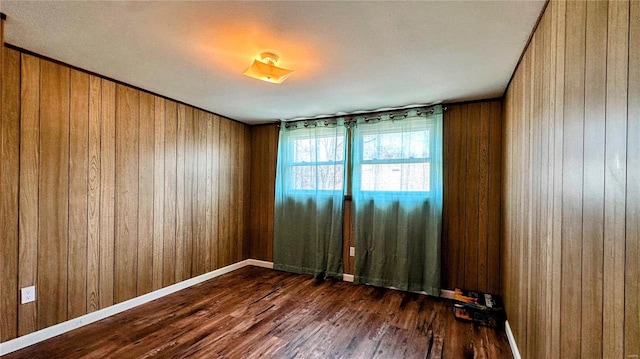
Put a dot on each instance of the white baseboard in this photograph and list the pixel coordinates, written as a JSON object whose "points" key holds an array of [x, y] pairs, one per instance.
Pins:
{"points": [[50, 332], [512, 341], [347, 277]]}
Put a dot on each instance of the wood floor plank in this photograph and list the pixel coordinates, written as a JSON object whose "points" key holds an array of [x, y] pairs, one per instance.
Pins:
{"points": [[257, 312]]}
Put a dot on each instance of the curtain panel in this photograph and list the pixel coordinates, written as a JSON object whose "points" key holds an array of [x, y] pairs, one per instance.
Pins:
{"points": [[397, 197], [309, 198]]}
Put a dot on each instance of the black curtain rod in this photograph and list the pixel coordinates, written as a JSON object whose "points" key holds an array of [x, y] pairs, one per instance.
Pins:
{"points": [[351, 118]]}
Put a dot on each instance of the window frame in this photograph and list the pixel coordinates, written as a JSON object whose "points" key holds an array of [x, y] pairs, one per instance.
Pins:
{"points": [[291, 164], [358, 162]]}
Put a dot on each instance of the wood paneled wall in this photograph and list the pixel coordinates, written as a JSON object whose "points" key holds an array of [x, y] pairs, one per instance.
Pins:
{"points": [[571, 240], [109, 192], [472, 160], [264, 155], [471, 233]]}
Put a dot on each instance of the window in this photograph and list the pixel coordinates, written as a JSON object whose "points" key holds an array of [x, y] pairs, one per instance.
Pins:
{"points": [[317, 163], [390, 159], [384, 157]]}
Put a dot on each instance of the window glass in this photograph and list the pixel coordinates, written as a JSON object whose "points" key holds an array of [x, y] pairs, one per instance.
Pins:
{"points": [[395, 145], [394, 161], [396, 177], [318, 163]]}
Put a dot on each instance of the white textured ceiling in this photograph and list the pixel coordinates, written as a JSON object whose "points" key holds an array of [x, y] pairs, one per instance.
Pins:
{"points": [[348, 56]]}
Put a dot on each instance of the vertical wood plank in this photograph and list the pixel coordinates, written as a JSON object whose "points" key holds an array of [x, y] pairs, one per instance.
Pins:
{"points": [[535, 250], [523, 201], [234, 188], [10, 198], [483, 195], [558, 56], [107, 191], [248, 204], [53, 206], [171, 128], [180, 194], [632, 263], [207, 120], [93, 215], [146, 166], [458, 176], [263, 211], [214, 161], [593, 205], [495, 191], [5, 275], [126, 238], [239, 170], [224, 219], [451, 247], [243, 172], [257, 143], [506, 221], [199, 201], [189, 178], [28, 196], [615, 173], [445, 242], [544, 312], [572, 186], [504, 203], [270, 185], [471, 206], [78, 168], [158, 192]]}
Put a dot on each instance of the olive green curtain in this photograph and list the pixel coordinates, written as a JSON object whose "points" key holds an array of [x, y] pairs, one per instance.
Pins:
{"points": [[397, 197], [309, 198]]}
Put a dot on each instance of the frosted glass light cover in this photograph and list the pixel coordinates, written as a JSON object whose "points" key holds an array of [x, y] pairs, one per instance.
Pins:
{"points": [[267, 72]]}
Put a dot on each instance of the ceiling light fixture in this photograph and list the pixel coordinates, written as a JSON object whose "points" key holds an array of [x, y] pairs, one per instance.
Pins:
{"points": [[266, 70]]}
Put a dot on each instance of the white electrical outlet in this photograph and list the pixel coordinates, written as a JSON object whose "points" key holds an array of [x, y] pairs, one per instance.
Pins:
{"points": [[352, 251], [28, 294]]}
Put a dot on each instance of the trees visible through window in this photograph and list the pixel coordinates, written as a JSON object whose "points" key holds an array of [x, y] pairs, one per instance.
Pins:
{"points": [[318, 163]]}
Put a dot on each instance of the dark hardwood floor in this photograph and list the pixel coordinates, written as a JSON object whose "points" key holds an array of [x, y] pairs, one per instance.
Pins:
{"points": [[256, 312]]}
